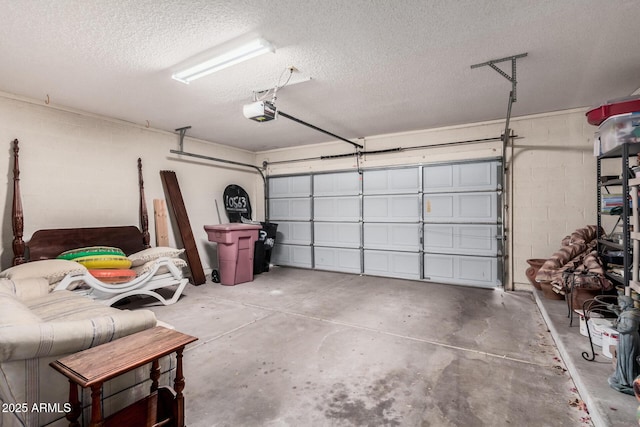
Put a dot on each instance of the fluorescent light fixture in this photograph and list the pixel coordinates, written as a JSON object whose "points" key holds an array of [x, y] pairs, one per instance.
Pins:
{"points": [[217, 63]]}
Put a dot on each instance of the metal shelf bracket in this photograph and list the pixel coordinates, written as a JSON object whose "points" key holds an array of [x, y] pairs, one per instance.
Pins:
{"points": [[183, 132], [512, 78]]}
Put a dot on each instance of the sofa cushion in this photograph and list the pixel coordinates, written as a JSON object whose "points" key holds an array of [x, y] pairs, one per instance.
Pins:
{"points": [[27, 341], [66, 305], [25, 289], [15, 312]]}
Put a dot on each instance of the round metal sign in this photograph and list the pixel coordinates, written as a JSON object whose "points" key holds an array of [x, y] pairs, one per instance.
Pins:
{"points": [[236, 203]]}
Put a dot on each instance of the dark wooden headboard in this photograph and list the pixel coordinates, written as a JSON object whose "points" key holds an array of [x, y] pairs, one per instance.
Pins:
{"points": [[49, 243]]}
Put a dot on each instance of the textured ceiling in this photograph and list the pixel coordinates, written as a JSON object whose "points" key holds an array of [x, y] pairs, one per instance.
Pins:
{"points": [[377, 66]]}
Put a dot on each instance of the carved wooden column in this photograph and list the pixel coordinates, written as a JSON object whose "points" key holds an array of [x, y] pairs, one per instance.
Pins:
{"points": [[178, 387], [76, 407], [17, 216], [144, 217]]}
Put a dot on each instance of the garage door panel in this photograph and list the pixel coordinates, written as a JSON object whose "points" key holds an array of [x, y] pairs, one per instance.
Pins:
{"points": [[395, 208], [438, 178], [337, 259], [478, 269], [472, 176], [438, 267], [298, 233], [461, 269], [476, 239], [336, 208], [390, 181], [477, 206], [337, 234], [461, 207], [440, 206], [477, 176], [403, 237], [336, 184], [279, 209], [292, 255], [290, 209], [439, 238], [290, 186], [392, 264]]}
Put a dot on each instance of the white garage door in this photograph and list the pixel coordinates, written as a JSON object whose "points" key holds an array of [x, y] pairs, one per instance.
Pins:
{"points": [[336, 222], [437, 222], [391, 222], [462, 209], [290, 207]]}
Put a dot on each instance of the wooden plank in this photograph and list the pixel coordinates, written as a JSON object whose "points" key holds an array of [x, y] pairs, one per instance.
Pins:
{"points": [[170, 182], [162, 230]]}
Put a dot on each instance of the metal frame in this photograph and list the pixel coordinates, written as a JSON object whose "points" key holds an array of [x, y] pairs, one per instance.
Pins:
{"points": [[512, 77], [507, 137], [302, 122], [183, 131], [622, 153]]}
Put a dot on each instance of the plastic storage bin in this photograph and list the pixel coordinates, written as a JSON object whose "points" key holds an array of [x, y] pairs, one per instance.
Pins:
{"points": [[617, 130], [599, 114], [235, 251]]}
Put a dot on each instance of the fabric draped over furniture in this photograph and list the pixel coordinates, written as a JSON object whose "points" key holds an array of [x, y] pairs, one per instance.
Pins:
{"points": [[576, 264], [38, 326]]}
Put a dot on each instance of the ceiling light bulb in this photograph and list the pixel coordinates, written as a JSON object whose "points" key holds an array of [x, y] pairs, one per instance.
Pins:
{"points": [[217, 63]]}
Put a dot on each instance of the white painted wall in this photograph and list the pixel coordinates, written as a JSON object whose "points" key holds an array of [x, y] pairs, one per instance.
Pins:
{"points": [[80, 170], [553, 180]]}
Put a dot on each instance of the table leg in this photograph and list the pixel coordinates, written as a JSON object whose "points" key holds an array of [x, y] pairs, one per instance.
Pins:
{"points": [[155, 375], [178, 386], [76, 408], [96, 409]]}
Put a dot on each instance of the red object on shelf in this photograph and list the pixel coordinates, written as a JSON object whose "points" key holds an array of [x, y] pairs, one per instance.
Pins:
{"points": [[599, 114]]}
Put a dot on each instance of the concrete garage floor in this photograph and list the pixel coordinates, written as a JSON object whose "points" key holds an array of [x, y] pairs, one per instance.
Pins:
{"points": [[310, 348]]}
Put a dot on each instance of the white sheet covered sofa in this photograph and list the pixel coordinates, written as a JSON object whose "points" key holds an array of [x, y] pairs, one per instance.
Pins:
{"points": [[37, 327]]}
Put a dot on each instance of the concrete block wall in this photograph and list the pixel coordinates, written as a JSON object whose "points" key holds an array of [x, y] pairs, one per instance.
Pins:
{"points": [[551, 183], [80, 170], [554, 184]]}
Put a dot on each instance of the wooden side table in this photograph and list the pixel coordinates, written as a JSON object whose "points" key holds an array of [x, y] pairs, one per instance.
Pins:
{"points": [[92, 367]]}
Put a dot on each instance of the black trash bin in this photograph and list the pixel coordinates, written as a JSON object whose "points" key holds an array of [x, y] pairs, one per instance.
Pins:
{"points": [[264, 246]]}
